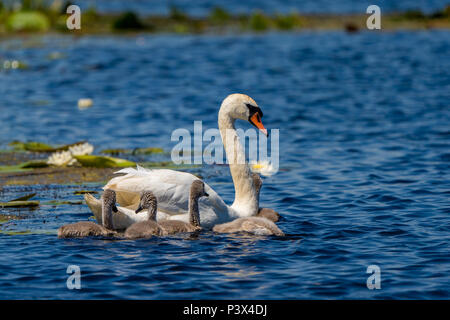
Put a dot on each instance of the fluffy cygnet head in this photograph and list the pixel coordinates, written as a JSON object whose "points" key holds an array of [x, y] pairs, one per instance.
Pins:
{"points": [[148, 201]]}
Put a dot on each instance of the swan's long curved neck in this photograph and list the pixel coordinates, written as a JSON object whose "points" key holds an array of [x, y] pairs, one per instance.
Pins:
{"points": [[194, 215], [107, 216], [151, 213], [245, 201]]}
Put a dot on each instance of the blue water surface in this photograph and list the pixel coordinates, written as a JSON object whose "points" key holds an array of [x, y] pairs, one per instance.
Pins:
{"points": [[364, 162]]}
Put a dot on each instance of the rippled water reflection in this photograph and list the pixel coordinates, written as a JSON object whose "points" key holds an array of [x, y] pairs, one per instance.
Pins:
{"points": [[364, 139]]}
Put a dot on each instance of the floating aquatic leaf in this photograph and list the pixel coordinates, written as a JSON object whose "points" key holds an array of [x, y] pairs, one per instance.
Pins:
{"points": [[15, 233], [16, 204], [59, 203], [116, 151], [13, 168], [34, 146], [168, 165], [31, 146], [145, 151], [103, 161], [24, 198], [34, 164], [85, 191]]}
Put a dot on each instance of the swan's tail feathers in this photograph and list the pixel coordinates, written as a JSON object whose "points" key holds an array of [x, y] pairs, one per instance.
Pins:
{"points": [[126, 171], [134, 171], [95, 205]]}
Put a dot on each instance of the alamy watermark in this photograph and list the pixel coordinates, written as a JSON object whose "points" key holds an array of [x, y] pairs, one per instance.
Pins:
{"points": [[73, 22], [374, 281], [74, 280], [206, 146], [374, 20]]}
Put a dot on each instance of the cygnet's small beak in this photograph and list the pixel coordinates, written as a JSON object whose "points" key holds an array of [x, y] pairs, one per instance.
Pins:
{"points": [[206, 194], [114, 208], [139, 209]]}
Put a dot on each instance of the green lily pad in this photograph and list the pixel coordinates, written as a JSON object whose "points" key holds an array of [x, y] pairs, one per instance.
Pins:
{"points": [[60, 203], [116, 151], [103, 161], [84, 192], [34, 164], [24, 198], [17, 204], [31, 146], [13, 168], [34, 146], [15, 233], [145, 151]]}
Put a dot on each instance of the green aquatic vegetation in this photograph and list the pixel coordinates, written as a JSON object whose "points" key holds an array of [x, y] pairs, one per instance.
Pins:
{"points": [[169, 165], [25, 166], [180, 28], [18, 204], [219, 16], [31, 146], [288, 22], [79, 192], [259, 21], [137, 151], [445, 13], [28, 21], [15, 233], [177, 14], [25, 197], [34, 146], [103, 161], [414, 15], [13, 168], [60, 203], [147, 151], [114, 152], [33, 164], [128, 21]]}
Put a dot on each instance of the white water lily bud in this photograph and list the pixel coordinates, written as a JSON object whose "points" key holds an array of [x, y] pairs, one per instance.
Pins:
{"points": [[85, 103]]}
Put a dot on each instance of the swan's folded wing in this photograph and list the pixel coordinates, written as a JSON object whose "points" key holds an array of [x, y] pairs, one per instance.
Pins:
{"points": [[170, 187]]}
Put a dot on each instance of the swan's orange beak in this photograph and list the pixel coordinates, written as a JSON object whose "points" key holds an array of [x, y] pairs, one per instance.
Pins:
{"points": [[256, 121]]}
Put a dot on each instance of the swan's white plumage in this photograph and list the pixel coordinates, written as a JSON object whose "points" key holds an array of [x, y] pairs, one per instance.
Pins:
{"points": [[169, 187]]}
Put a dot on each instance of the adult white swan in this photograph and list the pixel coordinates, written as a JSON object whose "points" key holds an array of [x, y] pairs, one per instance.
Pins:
{"points": [[172, 187]]}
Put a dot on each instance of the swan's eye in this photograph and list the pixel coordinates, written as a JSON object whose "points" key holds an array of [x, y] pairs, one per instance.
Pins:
{"points": [[254, 109]]}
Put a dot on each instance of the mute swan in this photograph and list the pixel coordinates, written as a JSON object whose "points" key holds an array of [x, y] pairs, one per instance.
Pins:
{"points": [[88, 228], [174, 226], [171, 187], [148, 228], [267, 213], [254, 225]]}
